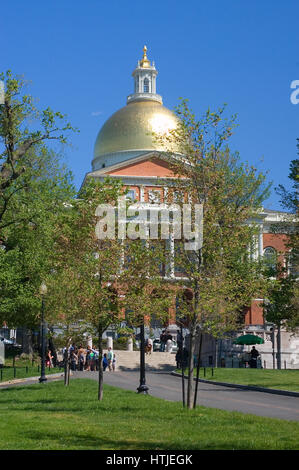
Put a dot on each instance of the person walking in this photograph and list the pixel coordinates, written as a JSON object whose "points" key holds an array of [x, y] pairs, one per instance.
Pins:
{"points": [[74, 359], [96, 358], [92, 360], [254, 355], [114, 363], [87, 359], [105, 362], [163, 339], [49, 359], [81, 358], [110, 355]]}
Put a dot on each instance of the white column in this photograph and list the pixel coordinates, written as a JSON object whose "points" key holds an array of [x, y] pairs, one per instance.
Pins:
{"points": [[261, 242], [141, 193], [130, 344]]}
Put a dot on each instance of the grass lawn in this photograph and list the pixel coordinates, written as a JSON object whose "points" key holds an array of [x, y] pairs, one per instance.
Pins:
{"points": [[54, 417], [277, 379]]}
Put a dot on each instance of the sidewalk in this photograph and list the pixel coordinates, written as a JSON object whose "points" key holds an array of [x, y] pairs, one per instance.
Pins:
{"points": [[6, 384], [60, 376], [245, 387]]}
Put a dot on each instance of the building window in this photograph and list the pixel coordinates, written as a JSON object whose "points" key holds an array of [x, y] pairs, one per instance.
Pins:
{"points": [[270, 257], [146, 85], [131, 195]]}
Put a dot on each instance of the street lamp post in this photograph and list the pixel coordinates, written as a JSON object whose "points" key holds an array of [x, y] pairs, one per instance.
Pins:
{"points": [[143, 388], [43, 291]]}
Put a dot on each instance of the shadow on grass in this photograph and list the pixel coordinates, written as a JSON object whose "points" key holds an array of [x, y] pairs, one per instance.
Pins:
{"points": [[76, 441]]}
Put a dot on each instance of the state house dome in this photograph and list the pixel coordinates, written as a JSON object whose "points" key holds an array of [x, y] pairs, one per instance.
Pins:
{"points": [[129, 131]]}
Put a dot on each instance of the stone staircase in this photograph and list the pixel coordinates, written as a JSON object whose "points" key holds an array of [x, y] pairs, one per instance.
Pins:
{"points": [[130, 360]]}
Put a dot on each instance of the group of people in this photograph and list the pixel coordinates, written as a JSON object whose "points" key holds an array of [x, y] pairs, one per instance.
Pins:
{"points": [[82, 359]]}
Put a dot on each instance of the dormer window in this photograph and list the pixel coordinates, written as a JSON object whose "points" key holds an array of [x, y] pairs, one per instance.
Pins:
{"points": [[146, 85]]}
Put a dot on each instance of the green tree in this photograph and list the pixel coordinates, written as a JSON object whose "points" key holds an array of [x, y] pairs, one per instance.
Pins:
{"points": [[220, 276], [26, 164], [290, 226], [281, 307], [34, 186], [84, 290]]}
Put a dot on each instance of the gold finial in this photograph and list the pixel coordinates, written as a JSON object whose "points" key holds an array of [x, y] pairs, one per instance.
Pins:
{"points": [[145, 63]]}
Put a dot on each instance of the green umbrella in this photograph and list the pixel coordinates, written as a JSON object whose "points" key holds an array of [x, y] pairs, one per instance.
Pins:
{"points": [[248, 339]]}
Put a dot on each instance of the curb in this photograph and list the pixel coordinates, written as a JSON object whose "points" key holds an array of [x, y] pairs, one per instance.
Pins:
{"points": [[245, 387]]}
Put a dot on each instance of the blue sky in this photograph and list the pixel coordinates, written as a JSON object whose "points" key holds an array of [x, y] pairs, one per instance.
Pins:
{"points": [[80, 56]]}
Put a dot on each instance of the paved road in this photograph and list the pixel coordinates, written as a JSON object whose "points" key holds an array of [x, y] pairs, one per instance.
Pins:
{"points": [[166, 386]]}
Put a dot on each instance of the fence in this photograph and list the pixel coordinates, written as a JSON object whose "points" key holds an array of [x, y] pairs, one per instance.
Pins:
{"points": [[20, 372]]}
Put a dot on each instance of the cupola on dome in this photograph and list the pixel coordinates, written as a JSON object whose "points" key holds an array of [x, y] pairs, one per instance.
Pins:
{"points": [[130, 129]]}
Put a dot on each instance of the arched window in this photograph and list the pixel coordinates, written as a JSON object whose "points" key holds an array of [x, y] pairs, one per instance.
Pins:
{"points": [[270, 257], [146, 85]]}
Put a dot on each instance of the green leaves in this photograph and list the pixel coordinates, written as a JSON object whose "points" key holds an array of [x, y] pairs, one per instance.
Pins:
{"points": [[35, 186]]}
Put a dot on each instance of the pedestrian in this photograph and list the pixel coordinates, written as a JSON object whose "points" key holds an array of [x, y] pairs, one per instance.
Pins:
{"points": [[92, 360], [148, 346], [114, 363], [105, 362], [96, 358], [81, 358], [169, 344], [110, 355], [49, 359], [74, 359], [163, 339], [87, 359], [254, 355]]}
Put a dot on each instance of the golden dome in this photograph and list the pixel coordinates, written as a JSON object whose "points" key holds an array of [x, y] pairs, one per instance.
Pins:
{"points": [[131, 128]]}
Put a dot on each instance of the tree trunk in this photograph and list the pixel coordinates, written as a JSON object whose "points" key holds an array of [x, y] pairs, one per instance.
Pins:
{"points": [[101, 375], [190, 390], [66, 367], [197, 369], [27, 342]]}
